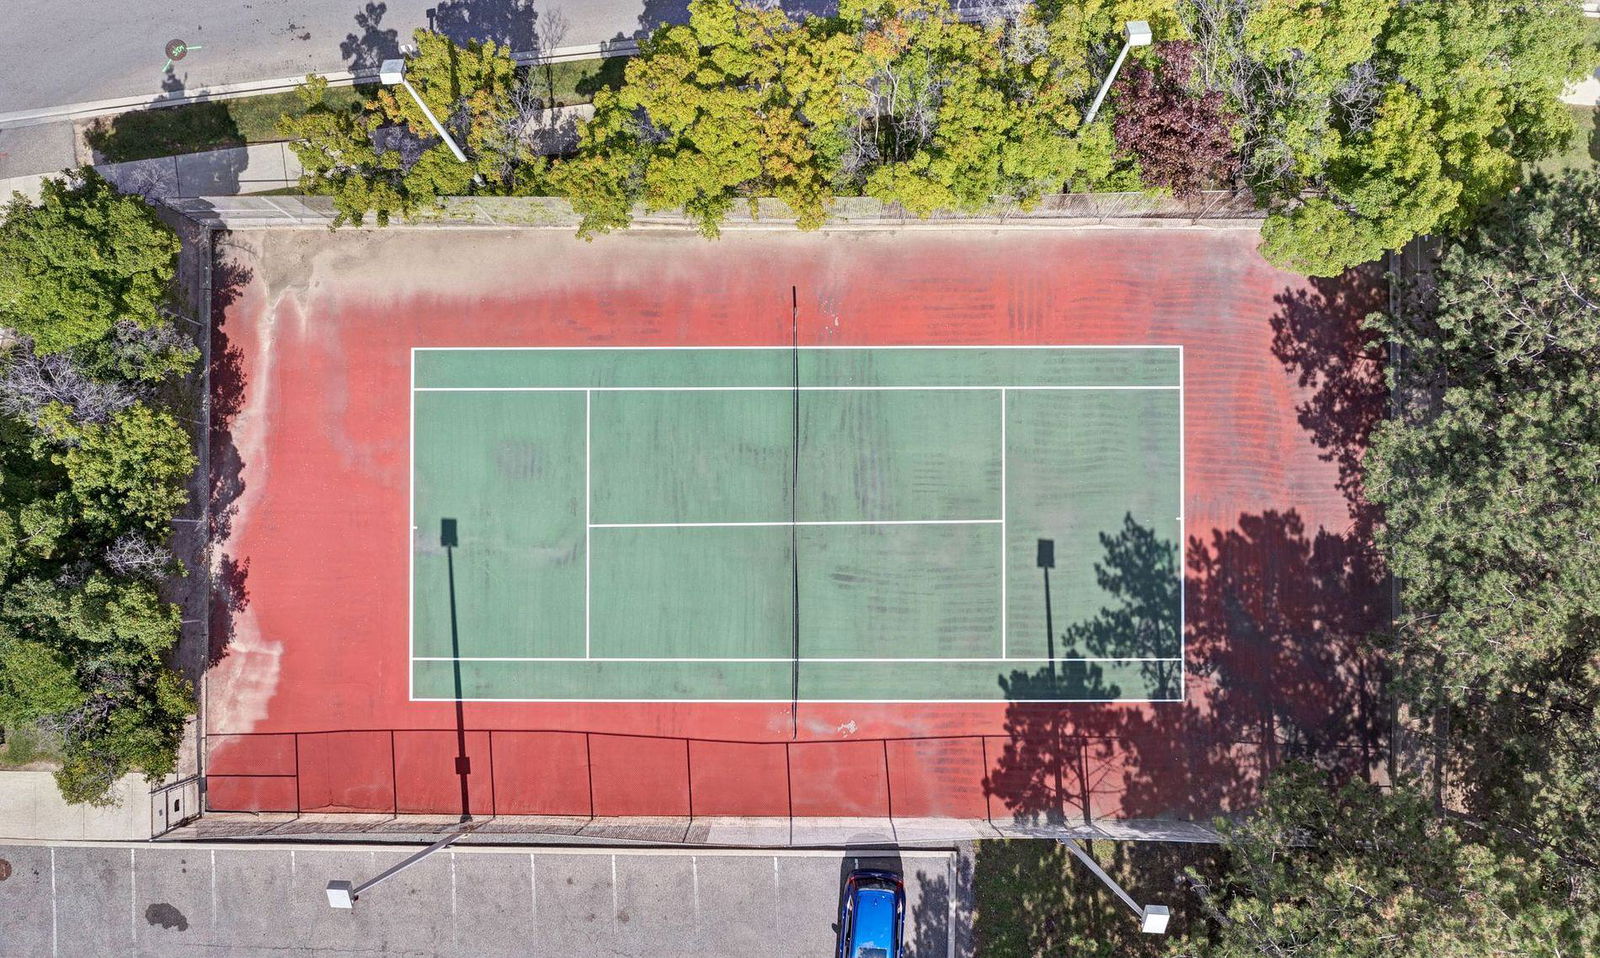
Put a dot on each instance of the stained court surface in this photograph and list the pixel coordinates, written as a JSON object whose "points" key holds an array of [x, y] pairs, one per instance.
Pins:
{"points": [[1014, 524]]}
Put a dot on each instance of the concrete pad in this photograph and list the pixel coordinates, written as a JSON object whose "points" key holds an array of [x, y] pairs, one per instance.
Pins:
{"points": [[31, 808], [148, 178], [1585, 92], [43, 149], [913, 831], [29, 186], [213, 172], [843, 831], [752, 832]]}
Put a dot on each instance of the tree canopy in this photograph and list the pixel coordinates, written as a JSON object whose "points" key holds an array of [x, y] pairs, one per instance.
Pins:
{"points": [[82, 260], [1361, 871], [1489, 474], [1358, 124], [93, 467], [1368, 122], [386, 159]]}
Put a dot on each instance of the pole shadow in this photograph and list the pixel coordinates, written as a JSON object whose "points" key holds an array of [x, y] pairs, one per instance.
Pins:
{"points": [[449, 539]]}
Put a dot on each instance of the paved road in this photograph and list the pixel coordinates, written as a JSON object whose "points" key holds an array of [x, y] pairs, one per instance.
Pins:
{"points": [[179, 900], [55, 53]]}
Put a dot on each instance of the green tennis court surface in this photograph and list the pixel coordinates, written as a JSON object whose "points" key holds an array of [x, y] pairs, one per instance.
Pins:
{"points": [[824, 524]]}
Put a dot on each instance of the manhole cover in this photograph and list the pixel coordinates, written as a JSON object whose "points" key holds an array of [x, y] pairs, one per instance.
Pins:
{"points": [[176, 49], [5, 869]]}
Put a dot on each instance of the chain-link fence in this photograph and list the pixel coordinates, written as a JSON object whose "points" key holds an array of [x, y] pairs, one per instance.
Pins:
{"points": [[1217, 209]]}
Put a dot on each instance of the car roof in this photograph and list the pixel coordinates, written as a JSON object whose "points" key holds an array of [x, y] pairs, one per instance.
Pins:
{"points": [[875, 921]]}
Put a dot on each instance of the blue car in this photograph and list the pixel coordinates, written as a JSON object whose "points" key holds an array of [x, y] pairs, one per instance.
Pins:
{"points": [[872, 915]]}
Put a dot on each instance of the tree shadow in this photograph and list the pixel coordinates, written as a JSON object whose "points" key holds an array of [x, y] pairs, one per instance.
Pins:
{"points": [[944, 911], [1034, 898], [229, 594], [374, 44], [1319, 334], [1279, 644], [510, 23], [659, 13]]}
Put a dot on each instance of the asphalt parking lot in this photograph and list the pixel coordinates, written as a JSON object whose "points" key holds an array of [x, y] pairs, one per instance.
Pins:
{"points": [[177, 900]]}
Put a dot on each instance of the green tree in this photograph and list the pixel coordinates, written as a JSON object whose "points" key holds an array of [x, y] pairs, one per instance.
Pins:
{"points": [[386, 159], [128, 473], [82, 260], [1368, 122], [957, 115], [132, 723], [35, 681], [738, 103], [1489, 475], [92, 469], [1364, 871]]}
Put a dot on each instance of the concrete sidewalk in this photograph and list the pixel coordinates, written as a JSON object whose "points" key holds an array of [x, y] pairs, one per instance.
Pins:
{"points": [[172, 900], [31, 808], [1585, 92], [261, 167]]}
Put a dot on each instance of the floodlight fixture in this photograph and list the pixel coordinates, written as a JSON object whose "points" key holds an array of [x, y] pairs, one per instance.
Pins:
{"points": [[392, 72], [1137, 34], [1152, 918]]}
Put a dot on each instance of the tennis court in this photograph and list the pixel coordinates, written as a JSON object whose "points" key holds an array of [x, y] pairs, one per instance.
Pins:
{"points": [[777, 524]]}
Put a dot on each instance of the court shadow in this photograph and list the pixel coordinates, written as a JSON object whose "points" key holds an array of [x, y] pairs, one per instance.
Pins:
{"points": [[1319, 334], [1280, 665], [1047, 767], [449, 540], [1281, 631]]}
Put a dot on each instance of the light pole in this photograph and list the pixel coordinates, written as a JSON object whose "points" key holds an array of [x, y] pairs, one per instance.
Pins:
{"points": [[1152, 918], [394, 71], [1138, 34], [343, 894]]}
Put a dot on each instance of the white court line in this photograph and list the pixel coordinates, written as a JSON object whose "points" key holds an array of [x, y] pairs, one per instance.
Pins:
{"points": [[410, 539], [786, 700], [779, 389], [1004, 537], [801, 522], [588, 527], [826, 660], [1183, 527], [780, 347]]}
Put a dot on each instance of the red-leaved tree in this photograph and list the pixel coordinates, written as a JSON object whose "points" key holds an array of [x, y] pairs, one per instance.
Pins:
{"points": [[1181, 137]]}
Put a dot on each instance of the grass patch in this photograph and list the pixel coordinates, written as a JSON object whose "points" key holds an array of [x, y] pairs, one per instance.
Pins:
{"points": [[1583, 152], [211, 125], [215, 124], [25, 745], [577, 81], [1033, 898]]}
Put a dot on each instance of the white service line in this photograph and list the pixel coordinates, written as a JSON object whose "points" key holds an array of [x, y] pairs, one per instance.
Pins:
{"points": [[802, 522], [783, 389], [767, 659]]}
